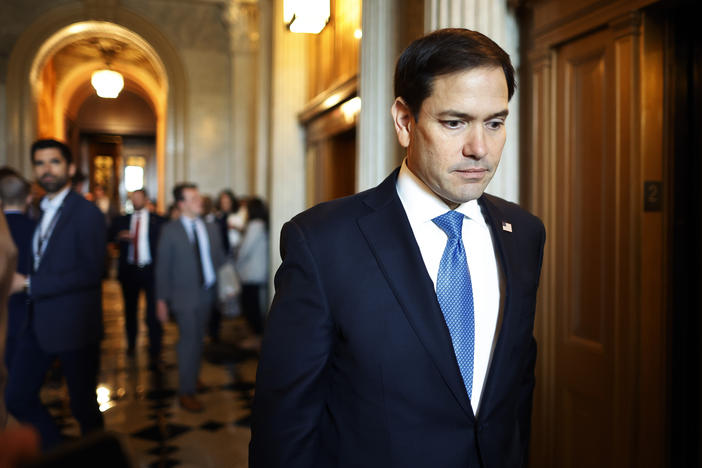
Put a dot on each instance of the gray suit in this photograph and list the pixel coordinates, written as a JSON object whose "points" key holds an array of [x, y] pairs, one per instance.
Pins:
{"points": [[178, 283]]}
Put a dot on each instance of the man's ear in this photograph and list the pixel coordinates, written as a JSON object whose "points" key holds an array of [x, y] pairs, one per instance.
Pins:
{"points": [[71, 169], [403, 120]]}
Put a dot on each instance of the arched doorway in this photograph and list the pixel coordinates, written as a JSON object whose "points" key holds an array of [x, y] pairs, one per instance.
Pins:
{"points": [[40, 101], [108, 136]]}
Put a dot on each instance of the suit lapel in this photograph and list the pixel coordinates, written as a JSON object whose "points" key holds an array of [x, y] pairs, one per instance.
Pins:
{"points": [[64, 215], [391, 240], [505, 252]]}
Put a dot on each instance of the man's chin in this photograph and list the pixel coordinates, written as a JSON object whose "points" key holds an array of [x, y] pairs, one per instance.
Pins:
{"points": [[459, 199], [52, 187]]}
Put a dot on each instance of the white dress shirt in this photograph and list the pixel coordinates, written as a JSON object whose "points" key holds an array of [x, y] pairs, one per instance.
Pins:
{"points": [[421, 206], [203, 238], [143, 240], [49, 207]]}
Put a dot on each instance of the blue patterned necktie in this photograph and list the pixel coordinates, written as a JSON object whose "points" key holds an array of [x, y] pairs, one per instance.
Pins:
{"points": [[455, 294]]}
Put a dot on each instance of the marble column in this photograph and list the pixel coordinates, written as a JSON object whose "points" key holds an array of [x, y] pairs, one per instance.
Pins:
{"points": [[260, 181], [286, 135], [377, 149], [495, 20], [241, 18]]}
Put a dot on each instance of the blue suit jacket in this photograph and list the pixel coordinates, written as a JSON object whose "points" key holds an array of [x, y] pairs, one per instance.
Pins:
{"points": [[66, 288], [357, 367], [21, 227]]}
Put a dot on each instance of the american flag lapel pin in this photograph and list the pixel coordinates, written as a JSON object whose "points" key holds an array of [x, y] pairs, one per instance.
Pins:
{"points": [[506, 226]]}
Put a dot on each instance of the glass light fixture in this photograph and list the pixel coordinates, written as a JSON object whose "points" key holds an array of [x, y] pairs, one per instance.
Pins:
{"points": [[107, 83], [306, 16]]}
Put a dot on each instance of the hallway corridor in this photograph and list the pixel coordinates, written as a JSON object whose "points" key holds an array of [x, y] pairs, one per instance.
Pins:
{"points": [[140, 404]]}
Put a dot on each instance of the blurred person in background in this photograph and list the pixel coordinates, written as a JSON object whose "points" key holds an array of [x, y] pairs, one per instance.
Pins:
{"points": [[79, 182], [173, 213], [137, 235], [188, 258], [252, 264], [151, 205], [104, 204], [208, 209], [15, 196], [8, 262], [65, 300], [18, 444], [227, 204]]}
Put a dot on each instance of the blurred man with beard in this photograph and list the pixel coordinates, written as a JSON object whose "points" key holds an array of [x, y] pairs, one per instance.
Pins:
{"points": [[65, 299]]}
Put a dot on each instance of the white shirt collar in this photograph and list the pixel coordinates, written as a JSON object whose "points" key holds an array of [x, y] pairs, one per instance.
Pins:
{"points": [[52, 204], [189, 223], [425, 204]]}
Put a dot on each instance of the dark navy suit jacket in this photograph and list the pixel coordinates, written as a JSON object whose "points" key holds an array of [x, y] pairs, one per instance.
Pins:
{"points": [[21, 227], [357, 367], [123, 223], [66, 288]]}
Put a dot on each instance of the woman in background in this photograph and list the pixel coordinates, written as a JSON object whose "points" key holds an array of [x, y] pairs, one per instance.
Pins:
{"points": [[252, 264]]}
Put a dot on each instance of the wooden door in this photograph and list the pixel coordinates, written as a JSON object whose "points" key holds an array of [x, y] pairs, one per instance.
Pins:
{"points": [[586, 229], [595, 103], [105, 164]]}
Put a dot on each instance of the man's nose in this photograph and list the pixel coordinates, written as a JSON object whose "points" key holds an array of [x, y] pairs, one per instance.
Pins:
{"points": [[475, 145]]}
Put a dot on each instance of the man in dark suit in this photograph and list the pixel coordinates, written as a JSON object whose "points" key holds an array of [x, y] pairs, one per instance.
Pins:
{"points": [[137, 234], [189, 255], [401, 332], [65, 299], [14, 193]]}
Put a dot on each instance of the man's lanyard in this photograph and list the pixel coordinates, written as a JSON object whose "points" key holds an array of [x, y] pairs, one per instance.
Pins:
{"points": [[44, 237]]}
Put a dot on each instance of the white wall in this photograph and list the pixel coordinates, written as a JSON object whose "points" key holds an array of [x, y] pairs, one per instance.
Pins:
{"points": [[199, 33]]}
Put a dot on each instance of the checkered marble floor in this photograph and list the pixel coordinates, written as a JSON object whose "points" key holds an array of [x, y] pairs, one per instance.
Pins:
{"points": [[141, 404]]}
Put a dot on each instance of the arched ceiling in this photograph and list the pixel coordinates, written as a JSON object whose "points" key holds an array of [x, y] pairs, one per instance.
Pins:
{"points": [[63, 67], [100, 50]]}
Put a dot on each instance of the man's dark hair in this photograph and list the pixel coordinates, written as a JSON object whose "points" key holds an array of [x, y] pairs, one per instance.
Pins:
{"points": [[7, 170], [78, 178], [49, 143], [143, 192], [13, 190], [179, 188], [443, 52]]}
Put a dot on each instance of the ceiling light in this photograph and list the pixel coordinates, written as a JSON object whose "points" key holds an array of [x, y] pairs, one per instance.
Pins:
{"points": [[306, 16], [107, 83]]}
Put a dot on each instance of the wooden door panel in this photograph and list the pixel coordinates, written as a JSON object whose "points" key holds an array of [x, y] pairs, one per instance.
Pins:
{"points": [[585, 224]]}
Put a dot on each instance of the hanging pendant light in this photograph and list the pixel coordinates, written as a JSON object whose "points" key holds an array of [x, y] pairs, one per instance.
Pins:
{"points": [[107, 83]]}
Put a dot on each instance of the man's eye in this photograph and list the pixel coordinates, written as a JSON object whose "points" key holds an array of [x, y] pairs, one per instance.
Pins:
{"points": [[495, 124], [452, 123]]}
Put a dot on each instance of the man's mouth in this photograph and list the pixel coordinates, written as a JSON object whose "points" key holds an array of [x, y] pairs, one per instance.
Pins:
{"points": [[472, 173]]}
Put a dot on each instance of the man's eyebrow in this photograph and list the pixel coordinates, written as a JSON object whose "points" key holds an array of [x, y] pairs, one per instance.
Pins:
{"points": [[463, 116]]}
